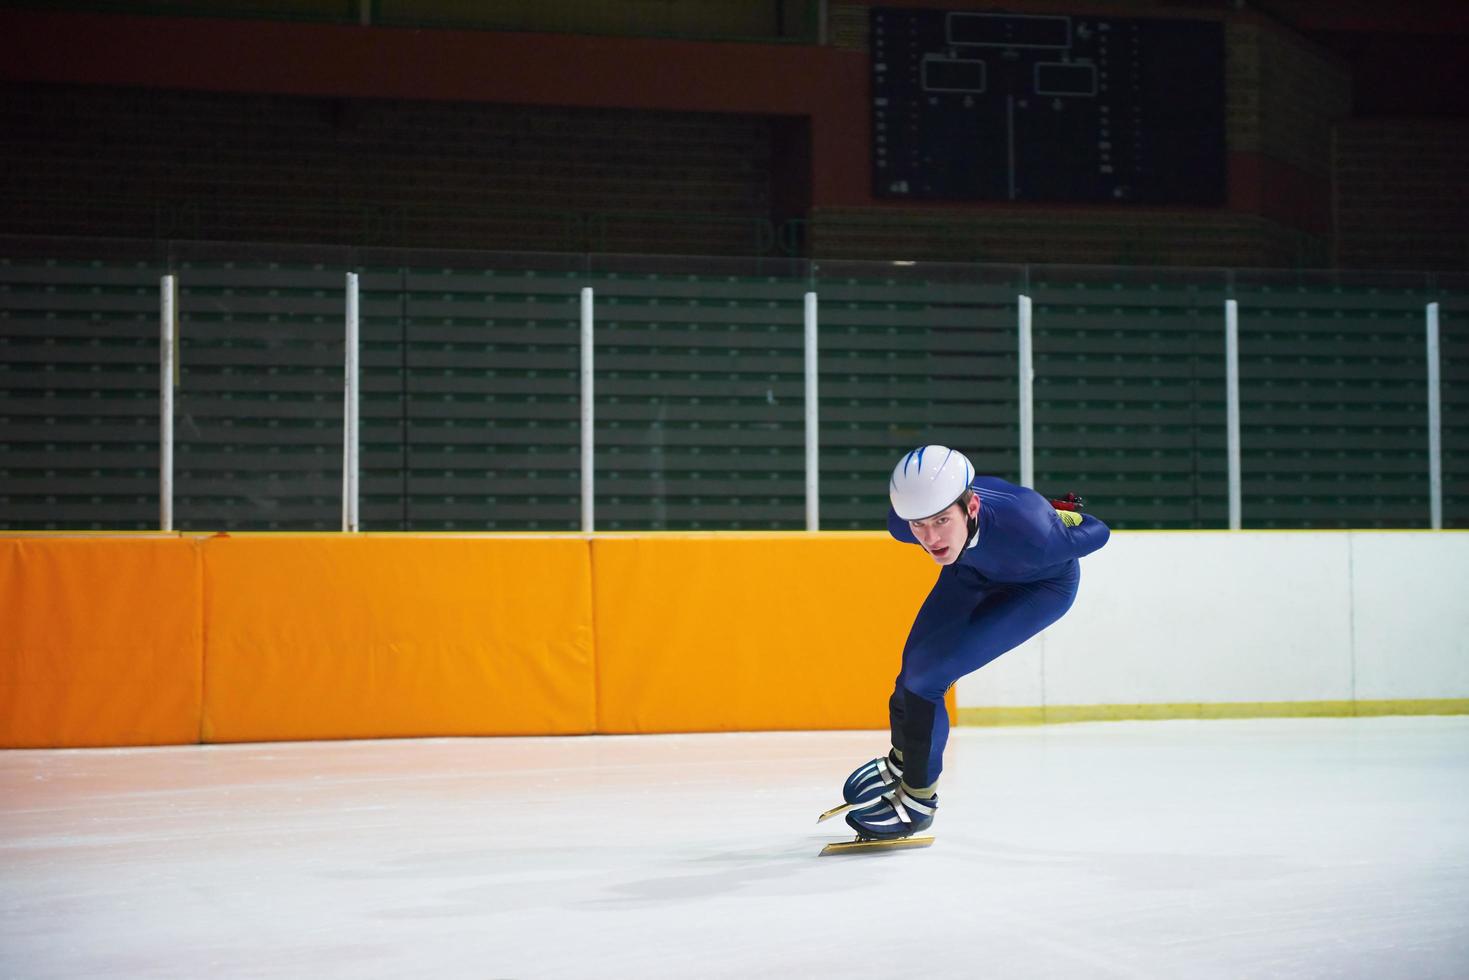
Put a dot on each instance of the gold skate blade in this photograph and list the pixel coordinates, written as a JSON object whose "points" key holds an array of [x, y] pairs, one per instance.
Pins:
{"points": [[834, 811], [875, 845]]}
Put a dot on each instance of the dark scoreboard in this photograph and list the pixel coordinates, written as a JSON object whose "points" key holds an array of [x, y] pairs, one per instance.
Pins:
{"points": [[971, 106]]}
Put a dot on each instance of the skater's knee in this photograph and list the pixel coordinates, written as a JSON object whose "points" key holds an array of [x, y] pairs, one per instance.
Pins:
{"points": [[928, 685]]}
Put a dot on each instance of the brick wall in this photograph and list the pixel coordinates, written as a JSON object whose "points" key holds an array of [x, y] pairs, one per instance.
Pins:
{"points": [[1283, 96], [102, 161], [1069, 236], [1400, 198]]}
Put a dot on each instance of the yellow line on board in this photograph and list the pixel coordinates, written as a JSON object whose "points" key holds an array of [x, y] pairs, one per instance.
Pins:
{"points": [[1061, 713]]}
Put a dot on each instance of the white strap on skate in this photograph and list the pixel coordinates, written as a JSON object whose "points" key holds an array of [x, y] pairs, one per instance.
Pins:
{"points": [[918, 806], [901, 802], [891, 816], [898, 811]]}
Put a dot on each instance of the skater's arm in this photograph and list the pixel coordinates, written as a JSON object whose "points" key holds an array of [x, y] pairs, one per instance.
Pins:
{"points": [[1075, 535]]}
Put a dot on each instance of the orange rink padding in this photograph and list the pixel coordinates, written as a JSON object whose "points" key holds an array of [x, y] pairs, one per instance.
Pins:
{"points": [[99, 641], [741, 632], [337, 636], [145, 640]]}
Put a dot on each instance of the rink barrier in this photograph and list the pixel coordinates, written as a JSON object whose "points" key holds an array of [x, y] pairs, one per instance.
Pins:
{"points": [[171, 639], [148, 639], [101, 641], [1264, 622], [384, 635], [736, 632]]}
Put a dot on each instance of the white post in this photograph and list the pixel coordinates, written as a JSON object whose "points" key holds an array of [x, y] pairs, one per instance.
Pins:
{"points": [[1435, 424], [1027, 397], [167, 360], [350, 434], [813, 432], [1231, 411], [588, 419]]}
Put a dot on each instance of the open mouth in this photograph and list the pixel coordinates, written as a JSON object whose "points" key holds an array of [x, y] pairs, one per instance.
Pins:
{"points": [[939, 552]]}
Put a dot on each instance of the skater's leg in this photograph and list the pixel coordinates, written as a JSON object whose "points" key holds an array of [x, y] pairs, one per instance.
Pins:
{"points": [[951, 600], [895, 716], [948, 607], [960, 644], [926, 723]]}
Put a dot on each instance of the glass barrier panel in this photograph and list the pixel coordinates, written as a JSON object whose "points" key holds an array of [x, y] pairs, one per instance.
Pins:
{"points": [[912, 353], [1452, 294], [259, 408], [700, 393], [1333, 399], [1129, 393], [79, 365], [488, 401], [471, 388]]}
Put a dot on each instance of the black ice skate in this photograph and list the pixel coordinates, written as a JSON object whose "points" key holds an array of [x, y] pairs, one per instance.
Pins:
{"points": [[896, 814], [894, 820], [867, 784]]}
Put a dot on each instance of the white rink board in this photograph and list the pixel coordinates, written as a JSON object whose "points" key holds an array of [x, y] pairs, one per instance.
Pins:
{"points": [[1250, 616], [1410, 604]]}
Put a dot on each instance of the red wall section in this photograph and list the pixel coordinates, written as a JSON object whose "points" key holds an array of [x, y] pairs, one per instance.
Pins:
{"points": [[1261, 185], [825, 84]]}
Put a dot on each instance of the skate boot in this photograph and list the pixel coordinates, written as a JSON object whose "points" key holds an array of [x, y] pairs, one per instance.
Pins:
{"points": [[896, 814], [872, 779]]}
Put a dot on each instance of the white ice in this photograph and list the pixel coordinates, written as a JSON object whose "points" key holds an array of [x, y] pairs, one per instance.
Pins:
{"points": [[1209, 849]]}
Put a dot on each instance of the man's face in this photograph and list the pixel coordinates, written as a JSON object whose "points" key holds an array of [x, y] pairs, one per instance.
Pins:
{"points": [[944, 534]]}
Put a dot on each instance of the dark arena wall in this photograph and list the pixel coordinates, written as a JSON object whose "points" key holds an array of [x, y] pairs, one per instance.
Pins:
{"points": [[218, 128]]}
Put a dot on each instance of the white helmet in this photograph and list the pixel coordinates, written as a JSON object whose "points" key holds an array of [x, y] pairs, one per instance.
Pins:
{"points": [[928, 480]]}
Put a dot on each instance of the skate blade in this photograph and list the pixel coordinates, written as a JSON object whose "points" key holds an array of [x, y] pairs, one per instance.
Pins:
{"points": [[835, 811], [875, 845]]}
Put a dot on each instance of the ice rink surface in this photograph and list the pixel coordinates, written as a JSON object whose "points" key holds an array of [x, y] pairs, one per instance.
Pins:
{"points": [[1228, 849]]}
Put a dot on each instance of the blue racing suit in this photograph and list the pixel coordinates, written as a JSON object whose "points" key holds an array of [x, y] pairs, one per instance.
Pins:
{"points": [[1017, 576]]}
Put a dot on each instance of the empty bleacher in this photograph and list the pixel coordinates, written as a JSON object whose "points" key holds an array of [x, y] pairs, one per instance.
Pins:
{"points": [[1333, 396], [471, 388], [912, 355], [79, 391], [1129, 393]]}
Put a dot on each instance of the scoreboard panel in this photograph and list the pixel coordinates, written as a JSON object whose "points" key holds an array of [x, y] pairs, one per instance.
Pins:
{"points": [[1085, 109]]}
